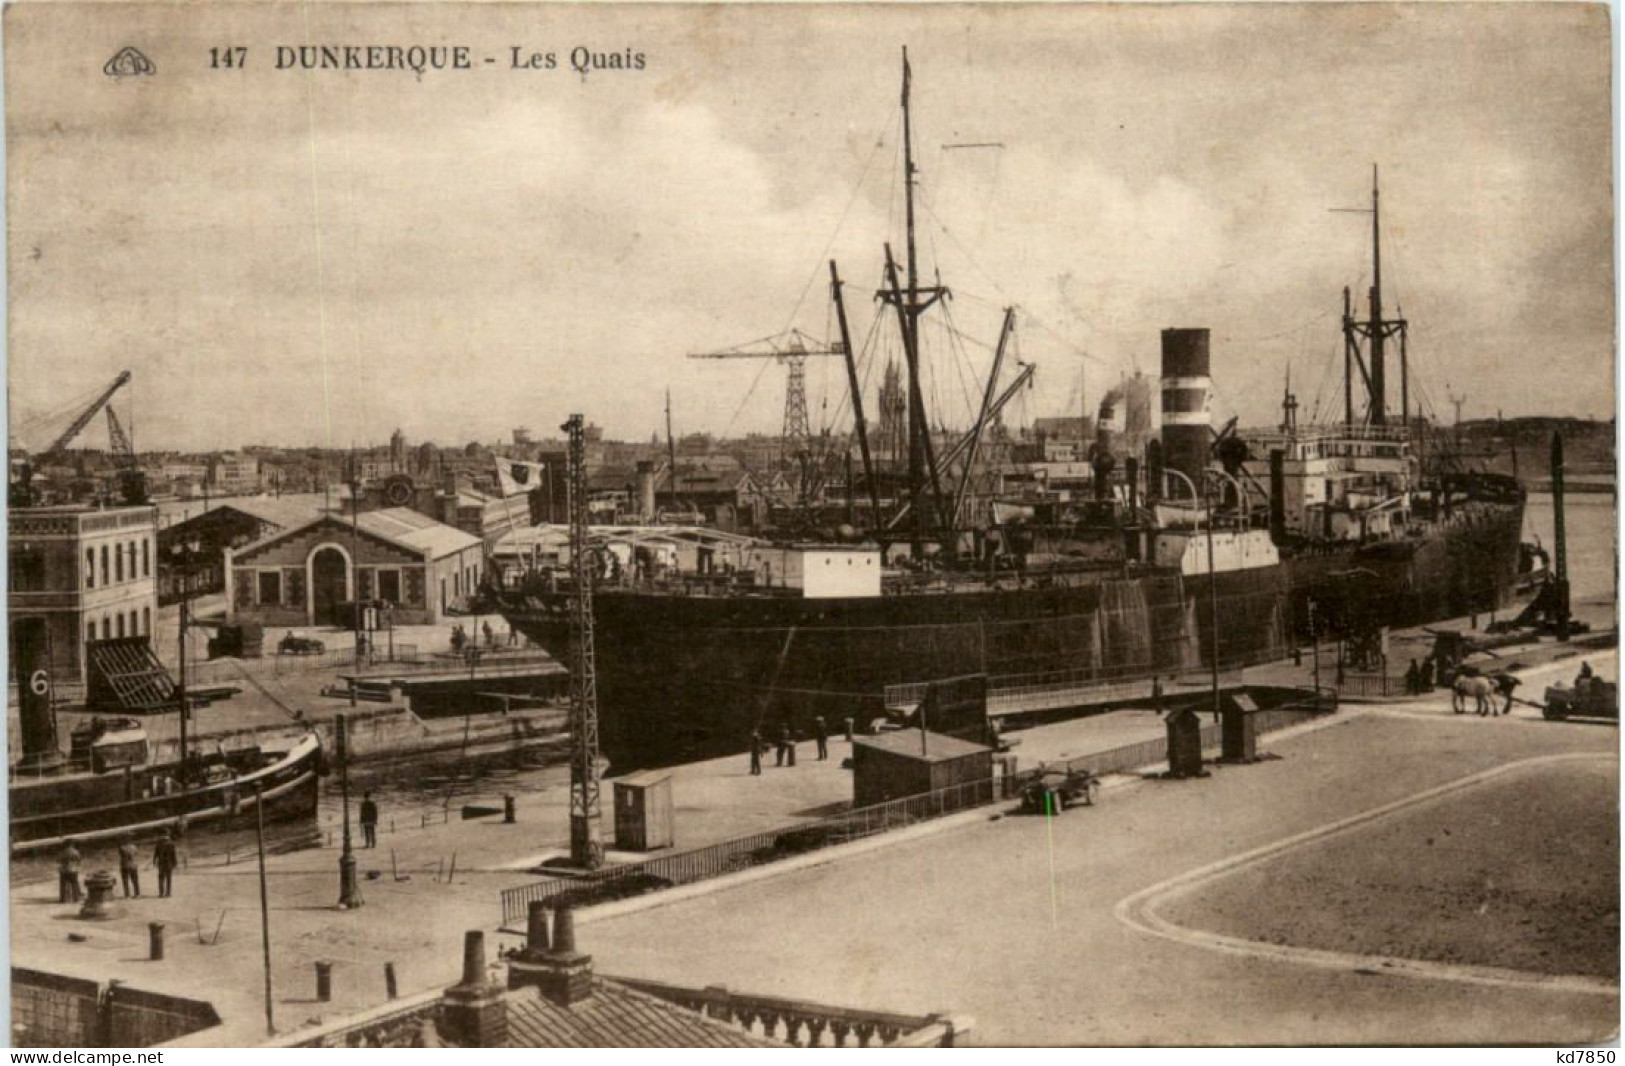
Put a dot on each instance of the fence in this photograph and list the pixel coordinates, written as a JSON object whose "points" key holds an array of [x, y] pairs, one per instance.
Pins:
{"points": [[1371, 686], [761, 848]]}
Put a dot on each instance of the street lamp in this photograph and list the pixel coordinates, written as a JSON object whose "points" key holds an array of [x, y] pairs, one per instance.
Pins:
{"points": [[349, 889], [184, 552]]}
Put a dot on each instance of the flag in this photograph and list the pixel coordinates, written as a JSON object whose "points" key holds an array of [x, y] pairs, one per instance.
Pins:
{"points": [[517, 478]]}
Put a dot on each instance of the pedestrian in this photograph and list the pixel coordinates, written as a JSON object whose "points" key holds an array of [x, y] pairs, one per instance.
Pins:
{"points": [[166, 858], [1413, 679], [457, 638], [783, 747], [1297, 654], [129, 871], [790, 739], [68, 890], [1425, 682], [513, 636], [369, 821], [756, 753], [821, 734], [490, 637]]}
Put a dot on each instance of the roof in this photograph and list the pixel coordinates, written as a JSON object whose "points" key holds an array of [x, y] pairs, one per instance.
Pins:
{"points": [[617, 1016], [406, 526], [282, 512], [939, 747]]}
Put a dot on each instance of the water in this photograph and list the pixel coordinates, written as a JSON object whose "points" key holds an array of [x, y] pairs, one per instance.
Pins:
{"points": [[1593, 556], [406, 792]]}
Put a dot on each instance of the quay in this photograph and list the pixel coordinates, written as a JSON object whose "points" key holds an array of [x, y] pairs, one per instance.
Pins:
{"points": [[434, 876]]}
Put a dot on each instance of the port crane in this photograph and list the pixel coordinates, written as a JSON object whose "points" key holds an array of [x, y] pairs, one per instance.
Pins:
{"points": [[792, 348], [131, 484]]}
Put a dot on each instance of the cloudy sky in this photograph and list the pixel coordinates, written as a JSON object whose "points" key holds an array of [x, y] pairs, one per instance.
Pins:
{"points": [[292, 257]]}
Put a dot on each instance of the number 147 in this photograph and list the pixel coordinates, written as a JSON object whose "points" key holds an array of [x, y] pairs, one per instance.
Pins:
{"points": [[228, 58]]}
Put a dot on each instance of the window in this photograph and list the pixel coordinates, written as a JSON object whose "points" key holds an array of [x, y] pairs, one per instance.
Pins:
{"points": [[90, 568], [107, 627], [146, 558], [27, 570], [120, 618], [118, 564], [90, 631], [270, 587], [146, 620], [105, 578], [389, 586]]}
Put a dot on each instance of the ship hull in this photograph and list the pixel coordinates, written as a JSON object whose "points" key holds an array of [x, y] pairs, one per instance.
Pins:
{"points": [[688, 676], [86, 807]]}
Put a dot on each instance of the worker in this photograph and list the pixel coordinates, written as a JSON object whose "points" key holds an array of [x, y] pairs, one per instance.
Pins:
{"points": [[129, 870], [783, 748], [1413, 679], [1425, 682], [756, 753], [1584, 675], [490, 636], [369, 821], [166, 858], [68, 890], [821, 734]]}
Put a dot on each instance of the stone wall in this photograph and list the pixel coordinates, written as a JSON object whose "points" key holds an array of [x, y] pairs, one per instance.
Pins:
{"points": [[50, 1010]]}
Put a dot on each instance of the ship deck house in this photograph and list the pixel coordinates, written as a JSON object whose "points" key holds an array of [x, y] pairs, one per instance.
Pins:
{"points": [[305, 574]]}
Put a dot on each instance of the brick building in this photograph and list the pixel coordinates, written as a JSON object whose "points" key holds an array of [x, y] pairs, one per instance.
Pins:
{"points": [[306, 574]]}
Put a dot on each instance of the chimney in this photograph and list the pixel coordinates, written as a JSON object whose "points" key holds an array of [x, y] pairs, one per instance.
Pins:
{"points": [[560, 973], [474, 1012]]}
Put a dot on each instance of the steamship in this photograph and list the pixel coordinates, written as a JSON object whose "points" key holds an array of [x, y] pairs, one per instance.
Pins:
{"points": [[1207, 546]]}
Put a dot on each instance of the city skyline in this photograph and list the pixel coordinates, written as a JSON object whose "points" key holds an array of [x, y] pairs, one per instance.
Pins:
{"points": [[319, 256]]}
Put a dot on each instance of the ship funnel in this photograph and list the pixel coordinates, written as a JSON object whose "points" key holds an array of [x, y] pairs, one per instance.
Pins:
{"points": [[1187, 392], [646, 490]]}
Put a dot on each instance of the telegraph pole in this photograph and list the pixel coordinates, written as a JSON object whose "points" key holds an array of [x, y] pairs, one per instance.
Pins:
{"points": [[586, 850]]}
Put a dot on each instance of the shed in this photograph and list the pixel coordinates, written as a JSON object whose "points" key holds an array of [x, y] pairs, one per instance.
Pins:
{"points": [[643, 811], [911, 762]]}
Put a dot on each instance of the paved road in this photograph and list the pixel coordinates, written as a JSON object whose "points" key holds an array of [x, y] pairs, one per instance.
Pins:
{"points": [[1012, 921]]}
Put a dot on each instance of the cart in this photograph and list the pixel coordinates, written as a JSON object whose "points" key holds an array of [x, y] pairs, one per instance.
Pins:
{"points": [[1052, 791]]}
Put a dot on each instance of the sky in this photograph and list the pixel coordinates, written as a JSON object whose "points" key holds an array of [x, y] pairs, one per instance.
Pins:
{"points": [[295, 257]]}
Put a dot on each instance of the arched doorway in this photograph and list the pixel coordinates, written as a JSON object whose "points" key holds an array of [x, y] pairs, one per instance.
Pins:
{"points": [[329, 585]]}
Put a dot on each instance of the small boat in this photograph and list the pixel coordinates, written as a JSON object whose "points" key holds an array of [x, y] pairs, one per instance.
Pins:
{"points": [[116, 791]]}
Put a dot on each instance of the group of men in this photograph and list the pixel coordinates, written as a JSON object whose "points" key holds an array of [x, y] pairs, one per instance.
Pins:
{"points": [[785, 754], [165, 858], [1419, 677]]}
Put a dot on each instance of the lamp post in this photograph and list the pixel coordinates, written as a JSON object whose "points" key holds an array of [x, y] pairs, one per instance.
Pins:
{"points": [[349, 890], [1212, 596], [184, 553]]}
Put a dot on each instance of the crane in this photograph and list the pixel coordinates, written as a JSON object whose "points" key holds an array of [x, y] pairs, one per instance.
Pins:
{"points": [[131, 485], [792, 348]]}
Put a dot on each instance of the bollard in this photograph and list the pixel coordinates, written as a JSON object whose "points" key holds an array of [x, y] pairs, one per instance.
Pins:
{"points": [[849, 730], [390, 990], [99, 888], [508, 817], [324, 982], [155, 941]]}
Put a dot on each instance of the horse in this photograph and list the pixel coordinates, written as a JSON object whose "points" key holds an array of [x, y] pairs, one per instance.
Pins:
{"points": [[1480, 689]]}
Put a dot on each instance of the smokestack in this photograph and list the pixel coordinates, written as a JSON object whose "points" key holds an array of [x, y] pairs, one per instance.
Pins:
{"points": [[646, 490], [1277, 495], [1186, 402]]}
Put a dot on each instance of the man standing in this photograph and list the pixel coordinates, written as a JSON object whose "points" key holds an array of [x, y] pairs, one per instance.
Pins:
{"points": [[783, 746], [68, 890], [821, 734], [165, 857], [128, 871], [756, 753], [369, 822], [790, 746]]}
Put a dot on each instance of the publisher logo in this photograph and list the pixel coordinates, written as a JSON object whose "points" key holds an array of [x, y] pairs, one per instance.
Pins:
{"points": [[128, 63]]}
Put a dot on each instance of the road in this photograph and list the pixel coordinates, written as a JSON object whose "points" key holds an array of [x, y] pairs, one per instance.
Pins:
{"points": [[1012, 921]]}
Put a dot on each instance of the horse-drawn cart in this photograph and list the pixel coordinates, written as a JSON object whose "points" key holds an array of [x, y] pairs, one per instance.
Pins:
{"points": [[1588, 697]]}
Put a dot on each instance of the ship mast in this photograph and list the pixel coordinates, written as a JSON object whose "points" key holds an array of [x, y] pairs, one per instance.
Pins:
{"points": [[911, 301], [1376, 330]]}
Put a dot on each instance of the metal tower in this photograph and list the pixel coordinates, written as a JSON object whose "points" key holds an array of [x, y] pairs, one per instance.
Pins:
{"points": [[792, 350], [586, 850]]}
